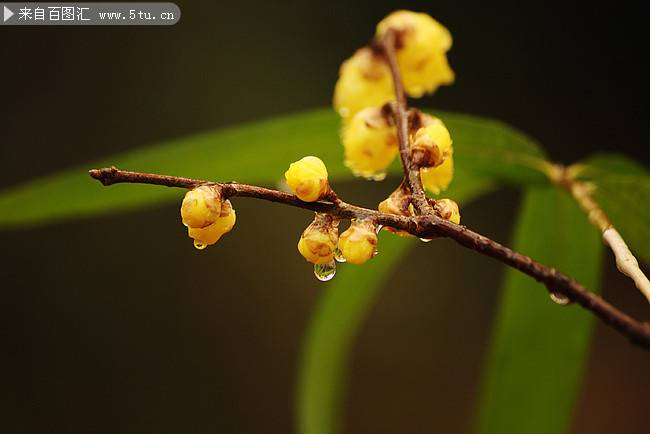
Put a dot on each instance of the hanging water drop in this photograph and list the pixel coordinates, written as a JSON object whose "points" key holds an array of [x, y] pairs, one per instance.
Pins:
{"points": [[338, 255], [325, 272], [559, 298], [199, 245]]}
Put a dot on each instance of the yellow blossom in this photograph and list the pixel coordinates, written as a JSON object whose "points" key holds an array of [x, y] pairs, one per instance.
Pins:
{"points": [[421, 52], [437, 179], [201, 206], [398, 203], [359, 242], [370, 143], [448, 210], [433, 141], [318, 242], [364, 81], [307, 178], [210, 234]]}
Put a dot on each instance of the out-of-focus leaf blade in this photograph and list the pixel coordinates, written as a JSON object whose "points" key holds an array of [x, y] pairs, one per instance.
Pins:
{"points": [[257, 152], [330, 338], [495, 150], [622, 189], [340, 311], [538, 350]]}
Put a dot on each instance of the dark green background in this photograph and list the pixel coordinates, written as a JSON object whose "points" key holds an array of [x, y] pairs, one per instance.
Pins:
{"points": [[117, 325]]}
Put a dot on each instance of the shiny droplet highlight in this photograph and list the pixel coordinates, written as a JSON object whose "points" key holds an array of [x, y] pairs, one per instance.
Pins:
{"points": [[338, 255], [325, 272], [559, 298]]}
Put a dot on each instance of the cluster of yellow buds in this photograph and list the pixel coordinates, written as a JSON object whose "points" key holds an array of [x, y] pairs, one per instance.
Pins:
{"points": [[365, 80], [365, 88], [362, 97], [399, 203], [206, 215], [320, 243]]}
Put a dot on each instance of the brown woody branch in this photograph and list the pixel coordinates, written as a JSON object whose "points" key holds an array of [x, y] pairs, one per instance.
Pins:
{"points": [[424, 226], [400, 114]]}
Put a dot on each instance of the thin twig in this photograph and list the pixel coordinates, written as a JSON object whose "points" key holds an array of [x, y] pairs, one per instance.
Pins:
{"points": [[581, 192], [424, 226], [400, 113]]}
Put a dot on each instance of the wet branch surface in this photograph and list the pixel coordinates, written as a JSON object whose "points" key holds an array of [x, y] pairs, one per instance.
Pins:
{"points": [[426, 224]]}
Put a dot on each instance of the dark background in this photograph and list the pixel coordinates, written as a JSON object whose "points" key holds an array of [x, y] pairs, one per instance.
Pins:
{"points": [[116, 325]]}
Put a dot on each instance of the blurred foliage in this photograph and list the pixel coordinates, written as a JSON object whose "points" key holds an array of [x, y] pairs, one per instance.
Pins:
{"points": [[329, 341], [256, 153], [539, 349]]}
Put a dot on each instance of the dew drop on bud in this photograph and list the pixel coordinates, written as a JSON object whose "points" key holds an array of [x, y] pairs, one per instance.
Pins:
{"points": [[199, 245], [338, 255], [325, 272], [559, 298]]}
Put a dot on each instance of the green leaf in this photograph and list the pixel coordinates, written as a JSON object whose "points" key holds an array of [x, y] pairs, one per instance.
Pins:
{"points": [[623, 192], [495, 150], [538, 350], [341, 310], [330, 338], [258, 152]]}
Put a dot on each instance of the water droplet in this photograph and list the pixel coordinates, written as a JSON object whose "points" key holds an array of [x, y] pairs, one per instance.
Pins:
{"points": [[325, 272], [426, 240], [338, 255], [199, 245], [559, 298], [379, 228], [375, 253]]}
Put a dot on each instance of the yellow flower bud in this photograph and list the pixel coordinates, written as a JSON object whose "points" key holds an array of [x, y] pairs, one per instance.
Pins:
{"points": [[432, 142], [370, 143], [437, 179], [421, 52], [359, 242], [210, 234], [307, 178], [318, 242], [201, 206], [448, 210], [364, 81], [398, 203]]}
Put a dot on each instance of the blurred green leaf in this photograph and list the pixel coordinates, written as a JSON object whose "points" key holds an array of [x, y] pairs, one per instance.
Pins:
{"points": [[330, 338], [539, 349], [341, 310], [258, 152], [623, 191], [495, 150]]}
